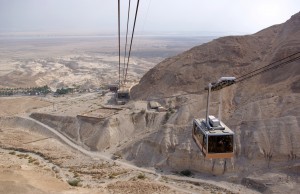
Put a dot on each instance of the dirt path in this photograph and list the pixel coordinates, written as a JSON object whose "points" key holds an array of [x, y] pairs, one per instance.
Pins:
{"points": [[100, 156], [94, 155]]}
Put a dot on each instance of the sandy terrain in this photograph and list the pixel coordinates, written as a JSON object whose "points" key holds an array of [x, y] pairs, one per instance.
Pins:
{"points": [[22, 105]]}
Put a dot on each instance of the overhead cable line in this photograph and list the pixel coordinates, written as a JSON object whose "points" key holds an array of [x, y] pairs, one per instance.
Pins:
{"points": [[136, 11], [143, 25], [126, 40], [119, 42], [268, 65], [262, 70]]}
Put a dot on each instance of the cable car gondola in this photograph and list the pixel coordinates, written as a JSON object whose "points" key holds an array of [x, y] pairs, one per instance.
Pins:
{"points": [[213, 137], [122, 96]]}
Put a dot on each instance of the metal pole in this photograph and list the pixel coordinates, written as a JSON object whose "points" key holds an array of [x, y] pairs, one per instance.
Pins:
{"points": [[119, 43], [208, 101], [220, 106]]}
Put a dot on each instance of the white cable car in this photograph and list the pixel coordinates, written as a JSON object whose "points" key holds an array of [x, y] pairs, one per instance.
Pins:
{"points": [[213, 137], [215, 140]]}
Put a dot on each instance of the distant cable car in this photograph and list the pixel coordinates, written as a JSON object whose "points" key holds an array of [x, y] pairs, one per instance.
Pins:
{"points": [[213, 137], [122, 96]]}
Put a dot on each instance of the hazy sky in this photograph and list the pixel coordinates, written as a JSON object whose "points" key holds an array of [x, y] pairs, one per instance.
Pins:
{"points": [[100, 16]]}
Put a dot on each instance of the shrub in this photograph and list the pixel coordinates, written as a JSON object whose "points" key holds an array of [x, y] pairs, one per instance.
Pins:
{"points": [[141, 176], [31, 160], [112, 176], [172, 110], [186, 173], [117, 155], [73, 182]]}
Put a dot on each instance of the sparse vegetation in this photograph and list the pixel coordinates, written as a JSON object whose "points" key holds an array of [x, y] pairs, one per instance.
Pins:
{"points": [[21, 156], [141, 176], [64, 91], [43, 90], [186, 173], [112, 176], [115, 174], [12, 153], [74, 182], [171, 110], [116, 156], [31, 160]]}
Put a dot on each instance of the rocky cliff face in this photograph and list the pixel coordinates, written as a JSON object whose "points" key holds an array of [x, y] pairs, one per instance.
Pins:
{"points": [[101, 134], [264, 111]]}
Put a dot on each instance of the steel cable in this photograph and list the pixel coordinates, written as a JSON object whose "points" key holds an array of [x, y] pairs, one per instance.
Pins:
{"points": [[136, 11]]}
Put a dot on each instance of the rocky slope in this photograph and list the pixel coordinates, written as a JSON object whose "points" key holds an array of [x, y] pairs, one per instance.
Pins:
{"points": [[263, 111], [227, 56]]}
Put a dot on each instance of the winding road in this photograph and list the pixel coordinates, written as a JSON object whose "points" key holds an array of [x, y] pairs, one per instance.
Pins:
{"points": [[100, 156]]}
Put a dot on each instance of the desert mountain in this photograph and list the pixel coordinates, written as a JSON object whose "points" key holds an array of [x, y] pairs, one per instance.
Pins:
{"points": [[192, 70], [264, 111]]}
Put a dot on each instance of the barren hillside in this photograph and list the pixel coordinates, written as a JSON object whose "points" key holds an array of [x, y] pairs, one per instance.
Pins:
{"points": [[263, 111], [233, 55]]}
